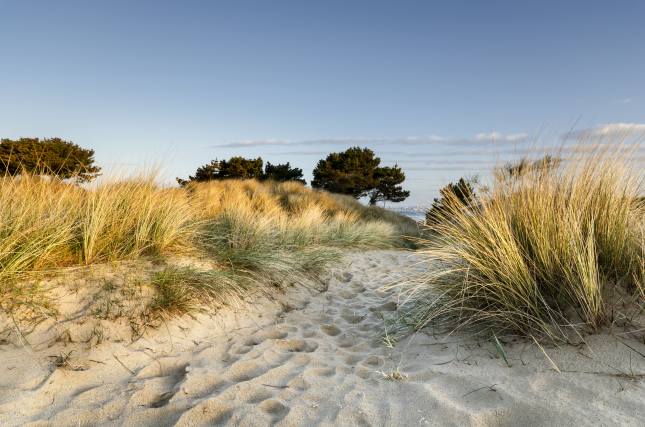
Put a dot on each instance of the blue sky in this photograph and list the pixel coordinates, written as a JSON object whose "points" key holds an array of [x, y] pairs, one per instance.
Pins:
{"points": [[442, 88]]}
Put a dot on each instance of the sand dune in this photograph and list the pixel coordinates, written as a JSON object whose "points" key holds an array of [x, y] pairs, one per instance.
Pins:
{"points": [[319, 358]]}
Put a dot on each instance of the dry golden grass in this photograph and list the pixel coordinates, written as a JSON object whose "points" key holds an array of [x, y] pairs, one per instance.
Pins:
{"points": [[541, 252], [131, 218], [251, 228]]}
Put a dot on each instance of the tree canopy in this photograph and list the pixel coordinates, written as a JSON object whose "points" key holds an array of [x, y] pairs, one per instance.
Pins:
{"points": [[387, 185], [356, 172], [236, 167], [242, 168], [283, 172], [49, 156]]}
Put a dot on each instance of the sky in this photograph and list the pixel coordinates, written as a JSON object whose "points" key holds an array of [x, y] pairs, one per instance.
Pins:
{"points": [[441, 88]]}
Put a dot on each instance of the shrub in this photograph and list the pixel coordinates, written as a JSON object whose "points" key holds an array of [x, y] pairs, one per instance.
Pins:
{"points": [[282, 173], [234, 168], [241, 168], [539, 253], [52, 156], [461, 195]]}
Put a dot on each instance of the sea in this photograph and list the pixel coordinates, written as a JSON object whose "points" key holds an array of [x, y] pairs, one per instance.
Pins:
{"points": [[417, 213]]}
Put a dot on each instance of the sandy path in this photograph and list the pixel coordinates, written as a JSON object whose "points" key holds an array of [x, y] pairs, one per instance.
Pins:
{"points": [[320, 359]]}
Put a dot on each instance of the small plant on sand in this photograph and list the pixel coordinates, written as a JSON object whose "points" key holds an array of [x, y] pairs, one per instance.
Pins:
{"points": [[180, 290], [394, 375], [65, 361], [544, 253]]}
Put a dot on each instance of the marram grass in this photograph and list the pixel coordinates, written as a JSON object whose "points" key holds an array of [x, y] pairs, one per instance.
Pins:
{"points": [[249, 228], [545, 254]]}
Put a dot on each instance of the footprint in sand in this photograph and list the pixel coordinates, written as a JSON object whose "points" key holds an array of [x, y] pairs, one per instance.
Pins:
{"points": [[243, 349], [346, 341], [347, 294], [373, 361], [298, 383], [363, 373], [272, 334], [162, 400], [388, 306], [251, 341], [203, 383], [320, 372], [260, 337], [352, 318], [308, 334], [297, 345], [208, 412], [345, 277], [331, 330], [244, 371], [258, 395], [359, 289], [352, 359], [275, 408]]}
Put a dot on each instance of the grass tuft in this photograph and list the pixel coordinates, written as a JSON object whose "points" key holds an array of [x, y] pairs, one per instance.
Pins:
{"points": [[543, 254], [181, 290]]}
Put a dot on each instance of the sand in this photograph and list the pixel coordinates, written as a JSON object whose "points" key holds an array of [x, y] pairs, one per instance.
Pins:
{"points": [[319, 357]]}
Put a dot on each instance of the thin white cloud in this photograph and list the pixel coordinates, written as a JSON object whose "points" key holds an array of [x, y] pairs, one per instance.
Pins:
{"points": [[359, 140], [609, 130], [500, 137], [422, 139], [256, 143], [625, 101]]}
